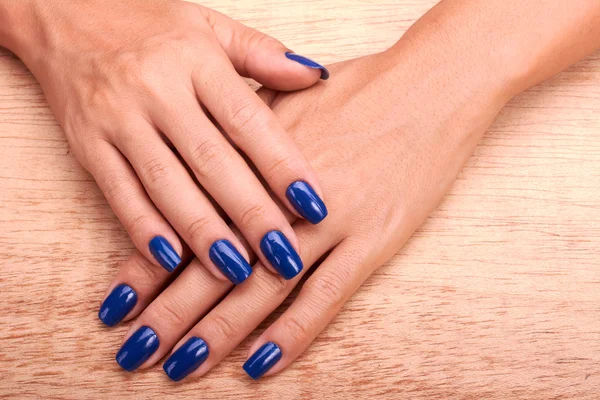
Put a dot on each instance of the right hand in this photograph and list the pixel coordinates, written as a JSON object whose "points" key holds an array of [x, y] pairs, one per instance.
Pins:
{"points": [[125, 78]]}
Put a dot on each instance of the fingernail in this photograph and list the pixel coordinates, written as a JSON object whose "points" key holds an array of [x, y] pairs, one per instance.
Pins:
{"points": [[306, 201], [308, 63], [280, 253], [263, 360], [231, 263], [117, 305], [164, 253], [186, 359], [137, 349]]}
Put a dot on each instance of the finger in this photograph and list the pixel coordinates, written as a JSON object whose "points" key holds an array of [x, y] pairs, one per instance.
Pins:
{"points": [[253, 127], [224, 174], [179, 199], [190, 296], [136, 284], [242, 310], [320, 299], [149, 231], [262, 57]]}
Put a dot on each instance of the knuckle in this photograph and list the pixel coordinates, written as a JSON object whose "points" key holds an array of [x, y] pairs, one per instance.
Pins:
{"points": [[86, 148], [284, 163], [155, 172], [246, 119], [208, 157], [222, 328], [272, 286], [114, 184], [138, 70], [170, 312], [257, 40], [136, 225], [253, 213], [196, 229], [295, 328], [145, 274], [328, 288]]}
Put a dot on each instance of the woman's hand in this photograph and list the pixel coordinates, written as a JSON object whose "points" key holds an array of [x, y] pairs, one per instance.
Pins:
{"points": [[387, 142], [387, 138], [125, 77]]}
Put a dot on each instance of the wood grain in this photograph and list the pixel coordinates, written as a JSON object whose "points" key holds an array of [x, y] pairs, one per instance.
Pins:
{"points": [[496, 296]]}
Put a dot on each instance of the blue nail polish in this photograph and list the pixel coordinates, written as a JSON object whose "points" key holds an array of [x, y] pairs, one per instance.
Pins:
{"points": [[263, 360], [280, 253], [164, 253], [231, 263], [117, 305], [308, 63], [186, 359], [137, 349], [306, 201]]}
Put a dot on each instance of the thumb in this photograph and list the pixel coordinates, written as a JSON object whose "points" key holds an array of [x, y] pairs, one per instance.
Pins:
{"points": [[262, 57]]}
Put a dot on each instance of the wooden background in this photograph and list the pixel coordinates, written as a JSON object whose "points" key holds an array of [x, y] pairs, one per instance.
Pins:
{"points": [[497, 296]]}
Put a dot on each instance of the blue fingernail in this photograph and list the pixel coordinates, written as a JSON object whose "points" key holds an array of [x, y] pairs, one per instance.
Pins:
{"points": [[306, 201], [164, 253], [280, 253], [262, 360], [117, 305], [186, 359], [308, 63], [231, 263], [137, 349]]}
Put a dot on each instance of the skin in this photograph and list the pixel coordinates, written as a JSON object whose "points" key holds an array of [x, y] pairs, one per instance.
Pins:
{"points": [[387, 141], [132, 77], [387, 137]]}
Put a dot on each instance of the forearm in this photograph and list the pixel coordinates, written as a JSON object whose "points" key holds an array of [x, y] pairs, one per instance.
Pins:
{"points": [[508, 45]]}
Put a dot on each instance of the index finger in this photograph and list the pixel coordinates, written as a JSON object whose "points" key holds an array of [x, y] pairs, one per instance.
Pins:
{"points": [[255, 129]]}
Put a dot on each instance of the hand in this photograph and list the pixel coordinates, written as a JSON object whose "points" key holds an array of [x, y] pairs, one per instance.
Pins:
{"points": [[125, 77], [387, 138], [386, 149]]}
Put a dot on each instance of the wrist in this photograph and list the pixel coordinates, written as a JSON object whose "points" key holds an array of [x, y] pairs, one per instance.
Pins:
{"points": [[16, 25], [456, 44]]}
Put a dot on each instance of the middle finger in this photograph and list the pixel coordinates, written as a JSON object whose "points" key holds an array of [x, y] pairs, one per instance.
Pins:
{"points": [[224, 174]]}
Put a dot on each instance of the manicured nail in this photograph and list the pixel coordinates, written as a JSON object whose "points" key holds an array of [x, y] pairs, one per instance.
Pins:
{"points": [[117, 305], [306, 201], [231, 263], [263, 360], [164, 253], [186, 359], [137, 349], [308, 63], [281, 254]]}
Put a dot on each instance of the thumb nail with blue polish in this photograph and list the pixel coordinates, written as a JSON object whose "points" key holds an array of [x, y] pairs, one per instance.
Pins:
{"points": [[307, 62]]}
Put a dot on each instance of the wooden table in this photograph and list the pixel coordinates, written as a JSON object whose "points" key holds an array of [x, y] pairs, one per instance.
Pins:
{"points": [[497, 296]]}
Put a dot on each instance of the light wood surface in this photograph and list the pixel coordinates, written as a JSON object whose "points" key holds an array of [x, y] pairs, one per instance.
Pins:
{"points": [[497, 296]]}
